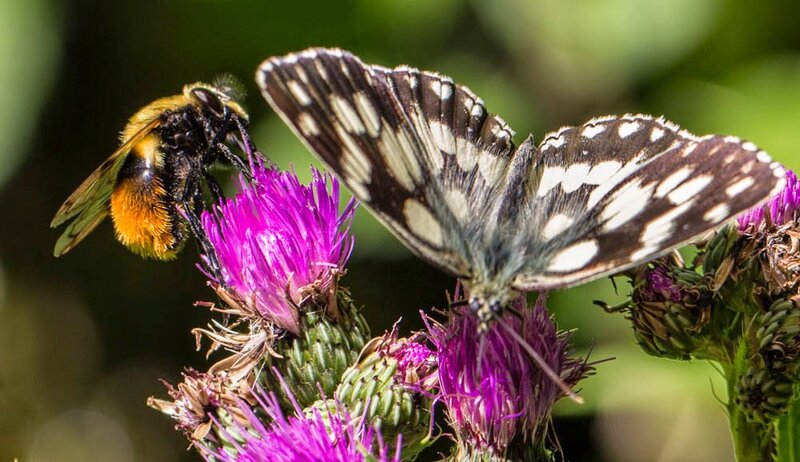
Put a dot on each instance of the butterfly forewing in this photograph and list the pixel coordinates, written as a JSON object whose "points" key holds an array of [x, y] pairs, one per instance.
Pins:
{"points": [[445, 176], [389, 134]]}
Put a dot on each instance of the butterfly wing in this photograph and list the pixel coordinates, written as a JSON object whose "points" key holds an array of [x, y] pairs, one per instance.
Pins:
{"points": [[388, 134], [444, 175], [87, 206], [619, 191]]}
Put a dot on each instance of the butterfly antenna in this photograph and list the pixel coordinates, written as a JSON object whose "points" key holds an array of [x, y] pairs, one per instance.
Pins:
{"points": [[548, 371], [481, 352]]}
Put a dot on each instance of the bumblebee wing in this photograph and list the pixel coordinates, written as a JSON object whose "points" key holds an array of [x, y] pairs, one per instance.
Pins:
{"points": [[88, 204], [97, 187], [80, 227]]}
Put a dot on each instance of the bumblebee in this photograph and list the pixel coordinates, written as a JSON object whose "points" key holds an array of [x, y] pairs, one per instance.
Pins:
{"points": [[152, 185]]}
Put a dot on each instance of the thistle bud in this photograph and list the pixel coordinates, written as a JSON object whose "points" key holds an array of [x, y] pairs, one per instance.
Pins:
{"points": [[667, 309], [316, 359], [763, 395], [777, 336], [392, 385], [717, 251]]}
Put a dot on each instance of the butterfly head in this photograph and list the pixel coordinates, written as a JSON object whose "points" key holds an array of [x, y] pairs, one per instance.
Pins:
{"points": [[486, 312], [489, 305]]}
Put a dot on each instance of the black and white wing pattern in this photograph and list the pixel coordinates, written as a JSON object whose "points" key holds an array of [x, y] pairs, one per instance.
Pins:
{"points": [[445, 176], [618, 191]]}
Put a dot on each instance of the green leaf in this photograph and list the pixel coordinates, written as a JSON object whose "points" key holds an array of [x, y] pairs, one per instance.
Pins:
{"points": [[789, 435]]}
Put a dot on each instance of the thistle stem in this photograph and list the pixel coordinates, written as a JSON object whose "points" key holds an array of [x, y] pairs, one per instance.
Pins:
{"points": [[752, 441]]}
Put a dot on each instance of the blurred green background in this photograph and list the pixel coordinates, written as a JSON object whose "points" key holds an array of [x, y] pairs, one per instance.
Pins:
{"points": [[83, 339]]}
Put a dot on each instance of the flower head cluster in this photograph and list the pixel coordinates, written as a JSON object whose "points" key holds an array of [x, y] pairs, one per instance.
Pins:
{"points": [[279, 241], [315, 435], [781, 209], [494, 391]]}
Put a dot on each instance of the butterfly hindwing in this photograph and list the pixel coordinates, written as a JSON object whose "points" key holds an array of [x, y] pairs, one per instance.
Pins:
{"points": [[679, 194]]}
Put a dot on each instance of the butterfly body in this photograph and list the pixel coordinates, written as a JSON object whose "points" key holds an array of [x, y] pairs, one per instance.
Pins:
{"points": [[445, 176]]}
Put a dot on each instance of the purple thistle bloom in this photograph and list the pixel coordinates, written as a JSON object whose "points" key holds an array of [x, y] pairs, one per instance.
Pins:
{"points": [[782, 208], [493, 390], [278, 241], [415, 359], [315, 435], [659, 286]]}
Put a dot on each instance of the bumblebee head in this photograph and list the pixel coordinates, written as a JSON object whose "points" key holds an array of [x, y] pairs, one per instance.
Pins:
{"points": [[221, 98]]}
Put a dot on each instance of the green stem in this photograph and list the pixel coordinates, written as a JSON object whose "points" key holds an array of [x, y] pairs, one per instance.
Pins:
{"points": [[789, 435], [752, 441]]}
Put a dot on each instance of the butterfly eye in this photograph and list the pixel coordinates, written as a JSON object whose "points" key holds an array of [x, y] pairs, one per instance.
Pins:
{"points": [[496, 307], [474, 305], [210, 100]]}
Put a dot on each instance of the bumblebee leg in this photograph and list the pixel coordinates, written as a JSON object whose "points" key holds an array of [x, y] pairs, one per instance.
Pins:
{"points": [[191, 214], [214, 187], [212, 262], [236, 161], [246, 144]]}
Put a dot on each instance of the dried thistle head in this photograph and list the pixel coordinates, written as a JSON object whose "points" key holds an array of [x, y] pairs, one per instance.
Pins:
{"points": [[197, 401]]}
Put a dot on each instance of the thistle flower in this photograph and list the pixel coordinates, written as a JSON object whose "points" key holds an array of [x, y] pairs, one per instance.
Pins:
{"points": [[279, 242], [498, 400], [282, 247], [315, 435], [393, 384], [781, 209]]}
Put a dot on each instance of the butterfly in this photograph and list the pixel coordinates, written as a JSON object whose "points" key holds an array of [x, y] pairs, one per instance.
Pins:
{"points": [[445, 176]]}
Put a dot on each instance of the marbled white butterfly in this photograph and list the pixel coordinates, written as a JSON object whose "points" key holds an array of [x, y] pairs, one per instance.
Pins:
{"points": [[445, 176]]}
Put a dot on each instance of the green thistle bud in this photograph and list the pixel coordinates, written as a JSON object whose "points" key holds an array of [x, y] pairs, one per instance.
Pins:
{"points": [[763, 395], [315, 359], [718, 249], [391, 384], [777, 336]]}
